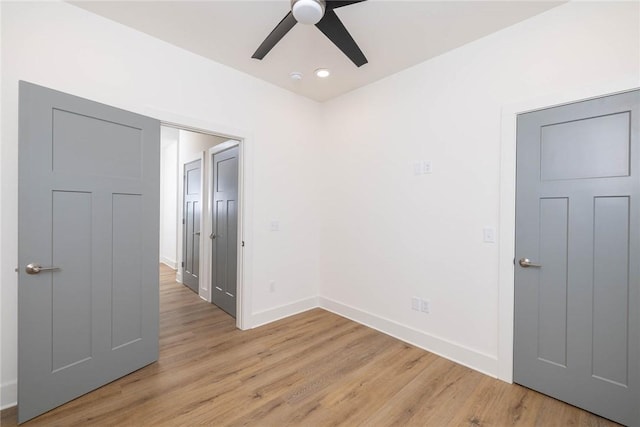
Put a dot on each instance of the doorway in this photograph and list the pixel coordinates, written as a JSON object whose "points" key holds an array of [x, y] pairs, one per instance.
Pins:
{"points": [[186, 214], [101, 180]]}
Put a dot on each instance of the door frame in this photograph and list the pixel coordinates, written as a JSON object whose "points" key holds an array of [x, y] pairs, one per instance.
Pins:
{"points": [[244, 318], [507, 200]]}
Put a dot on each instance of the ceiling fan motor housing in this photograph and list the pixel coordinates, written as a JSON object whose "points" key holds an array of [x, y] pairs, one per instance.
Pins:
{"points": [[322, 15], [308, 12]]}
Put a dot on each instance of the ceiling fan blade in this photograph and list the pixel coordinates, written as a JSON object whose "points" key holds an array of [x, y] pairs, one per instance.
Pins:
{"points": [[335, 30], [334, 4], [274, 37]]}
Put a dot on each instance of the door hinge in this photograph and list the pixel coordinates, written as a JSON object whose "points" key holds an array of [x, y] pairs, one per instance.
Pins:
{"points": [[182, 264], [243, 243], [182, 221]]}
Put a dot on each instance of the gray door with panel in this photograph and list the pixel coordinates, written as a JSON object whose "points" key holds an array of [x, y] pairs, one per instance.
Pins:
{"points": [[192, 209], [577, 295], [225, 230], [88, 246]]}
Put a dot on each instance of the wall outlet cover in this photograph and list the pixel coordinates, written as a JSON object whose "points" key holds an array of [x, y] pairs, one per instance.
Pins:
{"points": [[422, 167], [425, 306]]}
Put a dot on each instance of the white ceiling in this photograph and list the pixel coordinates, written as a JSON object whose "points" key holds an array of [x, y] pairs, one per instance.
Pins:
{"points": [[393, 35]]}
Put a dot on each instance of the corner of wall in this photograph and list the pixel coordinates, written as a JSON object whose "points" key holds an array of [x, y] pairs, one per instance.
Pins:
{"points": [[171, 263], [455, 352], [267, 316], [8, 395]]}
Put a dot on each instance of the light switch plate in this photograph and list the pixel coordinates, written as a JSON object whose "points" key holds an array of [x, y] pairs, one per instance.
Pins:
{"points": [[489, 235]]}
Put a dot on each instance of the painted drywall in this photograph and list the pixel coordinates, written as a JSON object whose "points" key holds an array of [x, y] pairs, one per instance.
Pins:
{"points": [[396, 234], [194, 144], [60, 46], [169, 196]]}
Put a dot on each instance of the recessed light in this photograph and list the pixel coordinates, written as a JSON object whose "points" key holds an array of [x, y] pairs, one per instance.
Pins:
{"points": [[323, 73], [296, 75]]}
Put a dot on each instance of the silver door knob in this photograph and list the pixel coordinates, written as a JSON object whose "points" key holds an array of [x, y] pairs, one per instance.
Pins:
{"points": [[36, 268], [526, 263]]}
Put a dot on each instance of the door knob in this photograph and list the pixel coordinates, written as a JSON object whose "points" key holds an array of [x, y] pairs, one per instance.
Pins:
{"points": [[36, 268], [526, 263], [212, 235]]}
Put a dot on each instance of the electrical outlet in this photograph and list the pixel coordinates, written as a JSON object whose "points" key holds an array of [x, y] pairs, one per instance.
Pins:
{"points": [[425, 306], [275, 226], [426, 167], [415, 303], [272, 286], [422, 167]]}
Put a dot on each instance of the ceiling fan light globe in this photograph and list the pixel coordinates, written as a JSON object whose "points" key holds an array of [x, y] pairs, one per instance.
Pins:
{"points": [[308, 12]]}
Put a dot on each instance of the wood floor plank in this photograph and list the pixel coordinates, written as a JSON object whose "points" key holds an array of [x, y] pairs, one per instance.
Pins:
{"points": [[312, 369]]}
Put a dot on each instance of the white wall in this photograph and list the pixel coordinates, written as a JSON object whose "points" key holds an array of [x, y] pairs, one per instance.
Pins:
{"points": [[169, 196], [388, 234], [194, 144], [63, 47]]}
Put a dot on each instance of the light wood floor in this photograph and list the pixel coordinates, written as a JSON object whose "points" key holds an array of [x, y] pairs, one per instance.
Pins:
{"points": [[313, 369]]}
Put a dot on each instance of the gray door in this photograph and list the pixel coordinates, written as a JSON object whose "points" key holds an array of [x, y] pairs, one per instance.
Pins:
{"points": [[225, 230], [577, 309], [191, 228], [88, 206]]}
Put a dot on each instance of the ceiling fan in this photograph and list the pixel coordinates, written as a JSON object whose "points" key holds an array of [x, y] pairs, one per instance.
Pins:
{"points": [[320, 13]]}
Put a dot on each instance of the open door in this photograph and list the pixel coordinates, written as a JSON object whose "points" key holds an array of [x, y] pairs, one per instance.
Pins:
{"points": [[192, 204], [577, 294], [88, 246], [224, 278]]}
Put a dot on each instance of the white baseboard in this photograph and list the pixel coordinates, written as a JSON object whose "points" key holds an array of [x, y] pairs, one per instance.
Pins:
{"points": [[452, 351], [169, 262], [455, 352], [8, 395], [273, 314], [179, 275]]}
